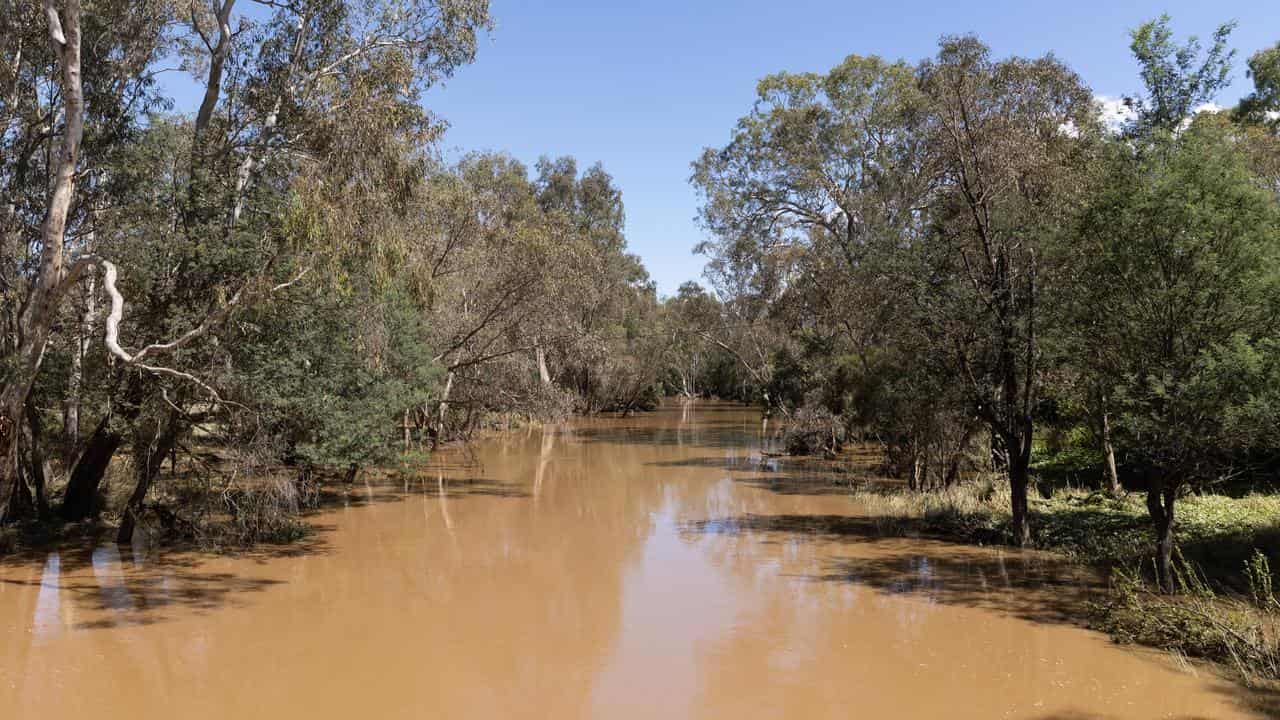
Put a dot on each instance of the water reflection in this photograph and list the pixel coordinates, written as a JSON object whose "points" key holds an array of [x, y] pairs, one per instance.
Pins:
{"points": [[48, 619], [666, 565]]}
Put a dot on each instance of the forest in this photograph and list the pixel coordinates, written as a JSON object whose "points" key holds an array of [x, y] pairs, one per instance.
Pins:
{"points": [[959, 262]]}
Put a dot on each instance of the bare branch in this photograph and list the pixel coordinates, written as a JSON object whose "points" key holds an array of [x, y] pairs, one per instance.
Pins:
{"points": [[112, 323]]}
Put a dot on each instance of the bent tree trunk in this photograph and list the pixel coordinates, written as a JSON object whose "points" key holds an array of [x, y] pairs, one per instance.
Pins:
{"points": [[1161, 495], [80, 499]]}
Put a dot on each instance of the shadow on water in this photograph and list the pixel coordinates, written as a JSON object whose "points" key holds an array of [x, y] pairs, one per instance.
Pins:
{"points": [[112, 586], [1026, 585], [109, 589], [799, 484], [391, 490], [783, 475], [1030, 586]]}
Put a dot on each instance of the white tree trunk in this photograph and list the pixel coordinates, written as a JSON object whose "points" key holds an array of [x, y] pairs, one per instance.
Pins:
{"points": [[84, 337], [543, 373], [38, 314]]}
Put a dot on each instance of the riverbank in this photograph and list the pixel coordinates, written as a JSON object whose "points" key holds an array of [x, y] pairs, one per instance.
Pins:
{"points": [[1227, 612], [660, 565]]}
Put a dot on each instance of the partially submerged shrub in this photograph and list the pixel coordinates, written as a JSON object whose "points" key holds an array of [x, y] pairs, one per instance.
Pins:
{"points": [[1195, 621], [267, 513], [813, 430]]}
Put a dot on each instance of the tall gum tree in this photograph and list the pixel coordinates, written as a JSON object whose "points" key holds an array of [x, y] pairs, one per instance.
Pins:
{"points": [[39, 310], [826, 170]]}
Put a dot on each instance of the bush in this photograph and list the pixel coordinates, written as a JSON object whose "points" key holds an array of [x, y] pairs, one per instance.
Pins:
{"points": [[813, 430], [1195, 621]]}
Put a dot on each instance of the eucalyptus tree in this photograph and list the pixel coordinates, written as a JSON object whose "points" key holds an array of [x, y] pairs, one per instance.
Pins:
{"points": [[600, 325], [883, 207], [1262, 106], [1258, 116], [37, 301], [296, 102], [489, 260], [824, 171], [688, 314]]}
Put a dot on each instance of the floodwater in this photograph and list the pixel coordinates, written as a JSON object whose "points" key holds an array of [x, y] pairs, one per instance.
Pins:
{"points": [[651, 567]]}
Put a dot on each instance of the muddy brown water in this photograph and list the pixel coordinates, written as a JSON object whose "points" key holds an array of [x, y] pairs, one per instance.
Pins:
{"points": [[651, 567]]}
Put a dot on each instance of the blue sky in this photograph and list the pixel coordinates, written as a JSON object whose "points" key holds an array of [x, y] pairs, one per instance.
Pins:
{"points": [[644, 86]]}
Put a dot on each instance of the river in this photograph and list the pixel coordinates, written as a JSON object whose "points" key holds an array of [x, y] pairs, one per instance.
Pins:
{"points": [[657, 566]]}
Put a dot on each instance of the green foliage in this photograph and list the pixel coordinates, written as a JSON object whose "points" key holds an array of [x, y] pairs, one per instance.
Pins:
{"points": [[1177, 77], [332, 373], [1262, 106], [1257, 571], [1184, 300]]}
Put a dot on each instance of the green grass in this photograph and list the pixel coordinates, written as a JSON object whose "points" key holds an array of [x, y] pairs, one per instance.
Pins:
{"points": [[1087, 525], [1225, 611]]}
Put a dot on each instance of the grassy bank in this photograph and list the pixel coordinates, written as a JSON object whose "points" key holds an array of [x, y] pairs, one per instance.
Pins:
{"points": [[1226, 611]]}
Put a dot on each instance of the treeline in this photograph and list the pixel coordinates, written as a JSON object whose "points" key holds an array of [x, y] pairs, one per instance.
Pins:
{"points": [[960, 259], [287, 273]]}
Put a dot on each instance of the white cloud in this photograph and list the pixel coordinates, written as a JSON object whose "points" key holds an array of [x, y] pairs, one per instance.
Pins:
{"points": [[1113, 112]]}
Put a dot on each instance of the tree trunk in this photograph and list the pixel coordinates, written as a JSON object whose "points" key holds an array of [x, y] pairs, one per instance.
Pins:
{"points": [[38, 465], [913, 483], [71, 409], [1018, 482], [543, 373], [1109, 456], [21, 506], [444, 407], [8, 463], [40, 309], [149, 451], [80, 499], [1160, 506]]}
